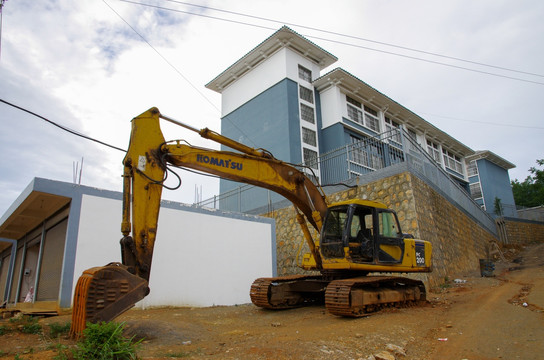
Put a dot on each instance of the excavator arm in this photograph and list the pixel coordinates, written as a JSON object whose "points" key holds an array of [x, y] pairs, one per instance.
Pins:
{"points": [[103, 293]]}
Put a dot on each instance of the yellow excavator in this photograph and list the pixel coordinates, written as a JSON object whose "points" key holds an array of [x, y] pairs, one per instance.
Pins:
{"points": [[352, 238]]}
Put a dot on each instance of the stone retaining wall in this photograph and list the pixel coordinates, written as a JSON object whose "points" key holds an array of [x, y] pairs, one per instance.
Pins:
{"points": [[458, 241], [520, 232]]}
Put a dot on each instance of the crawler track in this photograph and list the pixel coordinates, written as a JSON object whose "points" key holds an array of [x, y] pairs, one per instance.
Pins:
{"points": [[359, 296], [287, 292]]}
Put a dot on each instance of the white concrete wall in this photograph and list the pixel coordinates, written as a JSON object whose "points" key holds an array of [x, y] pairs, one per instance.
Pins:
{"points": [[200, 259], [282, 64], [293, 59], [332, 106], [255, 81]]}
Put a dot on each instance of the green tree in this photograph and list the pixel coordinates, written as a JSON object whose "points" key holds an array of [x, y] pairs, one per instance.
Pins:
{"points": [[530, 192]]}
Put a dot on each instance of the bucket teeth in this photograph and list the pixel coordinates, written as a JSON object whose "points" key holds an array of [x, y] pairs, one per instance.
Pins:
{"points": [[103, 293]]}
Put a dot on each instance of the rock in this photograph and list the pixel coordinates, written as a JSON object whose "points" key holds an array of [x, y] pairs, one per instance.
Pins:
{"points": [[384, 355], [395, 349]]}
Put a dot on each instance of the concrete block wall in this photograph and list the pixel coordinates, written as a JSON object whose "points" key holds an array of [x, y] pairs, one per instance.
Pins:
{"points": [[458, 241]]}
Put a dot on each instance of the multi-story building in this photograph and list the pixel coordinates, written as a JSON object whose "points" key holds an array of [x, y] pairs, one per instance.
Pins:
{"points": [[275, 98]]}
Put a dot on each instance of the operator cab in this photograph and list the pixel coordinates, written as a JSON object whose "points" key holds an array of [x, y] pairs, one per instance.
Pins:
{"points": [[362, 232]]}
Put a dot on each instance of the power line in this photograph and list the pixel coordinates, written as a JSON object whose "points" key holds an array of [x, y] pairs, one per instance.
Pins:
{"points": [[177, 71], [354, 37], [1, 22], [486, 122], [342, 43], [162, 57], [73, 132]]}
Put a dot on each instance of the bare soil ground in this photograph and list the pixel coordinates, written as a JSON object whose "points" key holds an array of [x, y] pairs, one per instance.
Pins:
{"points": [[499, 317]]}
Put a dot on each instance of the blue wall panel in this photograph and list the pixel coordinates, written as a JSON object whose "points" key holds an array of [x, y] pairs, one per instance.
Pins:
{"points": [[332, 138], [495, 182], [269, 121]]}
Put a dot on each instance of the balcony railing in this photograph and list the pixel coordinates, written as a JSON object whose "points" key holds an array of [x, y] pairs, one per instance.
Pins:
{"points": [[368, 156]]}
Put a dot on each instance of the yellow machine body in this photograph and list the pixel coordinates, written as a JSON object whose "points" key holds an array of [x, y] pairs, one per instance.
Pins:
{"points": [[353, 237]]}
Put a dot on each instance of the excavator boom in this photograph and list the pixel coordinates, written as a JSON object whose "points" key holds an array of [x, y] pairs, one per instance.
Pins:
{"points": [[103, 293], [356, 237]]}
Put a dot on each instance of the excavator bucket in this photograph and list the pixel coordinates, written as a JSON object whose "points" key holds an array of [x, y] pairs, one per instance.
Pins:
{"points": [[103, 293]]}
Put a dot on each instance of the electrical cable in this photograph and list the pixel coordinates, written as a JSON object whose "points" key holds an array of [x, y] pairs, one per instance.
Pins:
{"points": [[341, 184], [345, 43], [485, 122], [61, 126], [1, 23], [353, 37], [177, 70], [162, 57]]}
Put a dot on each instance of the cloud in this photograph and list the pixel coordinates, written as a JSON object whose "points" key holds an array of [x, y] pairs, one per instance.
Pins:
{"points": [[80, 64]]}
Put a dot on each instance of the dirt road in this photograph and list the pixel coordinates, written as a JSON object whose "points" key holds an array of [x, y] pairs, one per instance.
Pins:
{"points": [[482, 319]]}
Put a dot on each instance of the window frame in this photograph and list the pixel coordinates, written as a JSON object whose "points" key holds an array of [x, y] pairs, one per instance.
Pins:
{"points": [[305, 110], [390, 126], [479, 191], [452, 161], [363, 114], [304, 90], [311, 133], [312, 162], [304, 73], [472, 169], [433, 149]]}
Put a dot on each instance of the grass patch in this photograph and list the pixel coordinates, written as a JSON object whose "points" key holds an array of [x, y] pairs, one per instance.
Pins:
{"points": [[63, 351], [105, 341], [4, 330], [26, 324], [56, 329]]}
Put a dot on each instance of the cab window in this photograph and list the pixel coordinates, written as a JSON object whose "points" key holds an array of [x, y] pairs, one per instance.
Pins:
{"points": [[388, 225], [336, 222]]}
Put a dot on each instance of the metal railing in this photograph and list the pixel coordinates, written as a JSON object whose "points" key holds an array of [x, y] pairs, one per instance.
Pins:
{"points": [[367, 159], [336, 166]]}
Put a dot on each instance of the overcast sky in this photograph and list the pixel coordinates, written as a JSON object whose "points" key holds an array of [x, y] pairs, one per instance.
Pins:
{"points": [[93, 65]]}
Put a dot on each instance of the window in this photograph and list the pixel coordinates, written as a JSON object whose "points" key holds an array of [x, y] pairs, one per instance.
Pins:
{"points": [[355, 114], [433, 150], [388, 226], [306, 94], [475, 191], [452, 161], [358, 153], [412, 134], [376, 156], [304, 73], [309, 137], [371, 119], [310, 158], [363, 114], [472, 168], [353, 102], [366, 153], [392, 127], [307, 113]]}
